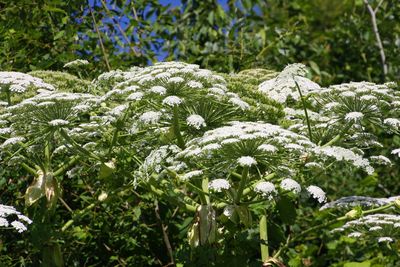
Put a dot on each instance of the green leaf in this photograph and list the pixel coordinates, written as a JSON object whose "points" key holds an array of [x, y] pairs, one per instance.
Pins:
{"points": [[106, 169], [287, 210]]}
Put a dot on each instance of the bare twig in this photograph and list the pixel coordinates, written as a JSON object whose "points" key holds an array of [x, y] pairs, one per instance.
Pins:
{"points": [[165, 235], [372, 13], [131, 47], [100, 40]]}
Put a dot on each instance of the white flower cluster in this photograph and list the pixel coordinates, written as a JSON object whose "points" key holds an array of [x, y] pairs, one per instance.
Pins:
{"points": [[343, 154], [272, 139], [284, 85], [218, 185], [196, 121], [382, 227], [171, 84], [19, 82], [354, 201], [19, 224], [159, 158], [357, 101]]}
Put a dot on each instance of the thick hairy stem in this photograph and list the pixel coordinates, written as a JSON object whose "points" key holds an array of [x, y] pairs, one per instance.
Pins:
{"points": [[305, 109], [165, 234], [176, 128], [372, 13], [242, 184], [65, 166], [264, 238], [76, 216]]}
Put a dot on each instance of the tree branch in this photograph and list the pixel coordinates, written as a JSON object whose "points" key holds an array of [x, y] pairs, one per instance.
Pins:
{"points": [[372, 13]]}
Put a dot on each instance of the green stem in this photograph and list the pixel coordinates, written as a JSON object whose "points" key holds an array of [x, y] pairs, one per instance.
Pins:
{"points": [[8, 95], [76, 216], [117, 128], [176, 128], [77, 146], [242, 184], [264, 238], [338, 137], [65, 166], [305, 109]]}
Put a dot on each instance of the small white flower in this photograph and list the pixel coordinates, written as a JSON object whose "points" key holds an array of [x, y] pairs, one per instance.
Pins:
{"points": [[58, 122], [240, 103], [211, 147], [267, 148], [265, 188], [176, 80], [354, 116], [396, 152], [20, 227], [196, 121], [395, 123], [348, 94], [246, 161], [189, 175], [195, 85], [218, 185], [24, 218], [150, 117], [317, 193], [229, 210], [13, 141], [172, 101], [290, 185], [3, 222], [158, 90], [375, 228], [385, 239], [355, 234], [135, 96]]}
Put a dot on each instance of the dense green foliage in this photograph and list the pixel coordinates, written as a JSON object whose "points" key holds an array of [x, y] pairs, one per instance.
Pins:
{"points": [[335, 38]]}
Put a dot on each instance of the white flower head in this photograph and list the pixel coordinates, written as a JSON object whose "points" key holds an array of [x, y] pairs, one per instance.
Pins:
{"points": [[317, 193], [150, 117], [158, 90], [189, 175], [265, 188], [267, 148], [196, 121], [396, 152], [247, 161], [58, 122], [195, 85], [19, 226], [385, 239], [176, 80], [172, 101], [355, 234], [354, 116], [290, 185], [218, 185], [135, 96]]}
